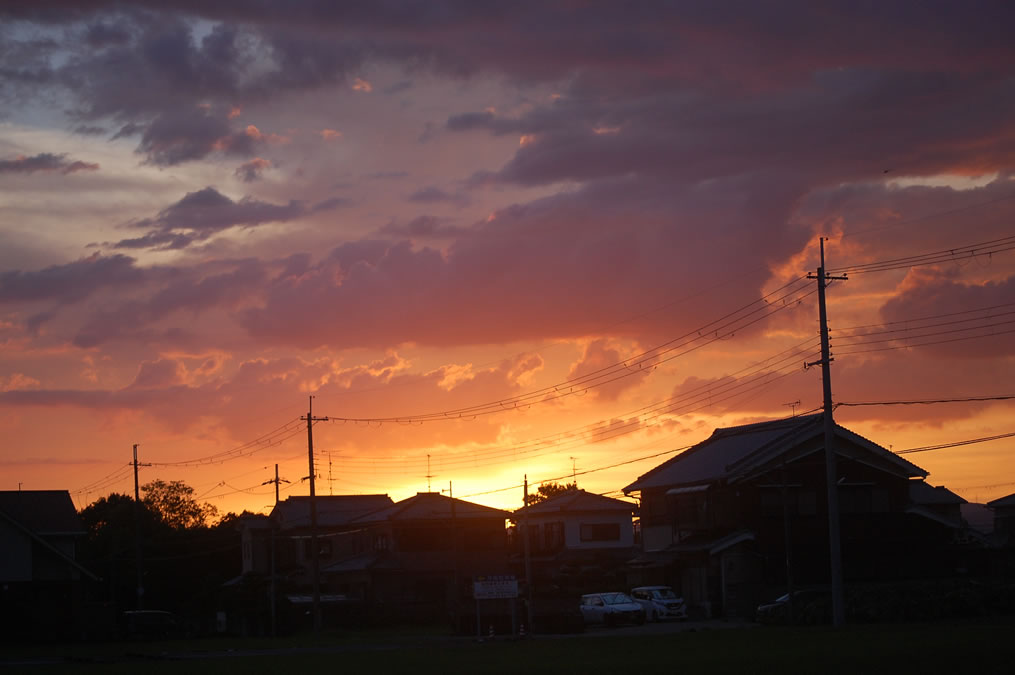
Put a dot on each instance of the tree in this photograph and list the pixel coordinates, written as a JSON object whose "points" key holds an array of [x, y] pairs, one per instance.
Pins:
{"points": [[175, 503], [548, 490]]}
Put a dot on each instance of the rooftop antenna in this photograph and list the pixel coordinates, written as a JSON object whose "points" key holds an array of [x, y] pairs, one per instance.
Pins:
{"points": [[573, 471], [793, 405], [428, 474]]}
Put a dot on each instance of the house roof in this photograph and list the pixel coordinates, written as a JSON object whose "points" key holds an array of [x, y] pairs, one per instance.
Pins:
{"points": [[332, 510], [431, 506], [1003, 501], [42, 511], [40, 514], [576, 501], [979, 517], [922, 494], [738, 452]]}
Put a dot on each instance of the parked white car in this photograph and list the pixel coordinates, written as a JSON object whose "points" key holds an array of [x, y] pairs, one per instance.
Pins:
{"points": [[611, 609], [660, 602]]}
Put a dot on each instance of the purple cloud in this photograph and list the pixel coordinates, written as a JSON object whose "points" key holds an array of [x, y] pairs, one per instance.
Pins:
{"points": [[204, 213], [45, 162]]}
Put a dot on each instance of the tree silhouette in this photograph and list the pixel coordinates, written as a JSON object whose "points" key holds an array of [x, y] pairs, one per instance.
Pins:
{"points": [[175, 503], [551, 489]]}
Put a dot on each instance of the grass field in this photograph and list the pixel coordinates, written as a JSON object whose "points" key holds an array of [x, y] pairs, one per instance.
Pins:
{"points": [[973, 647]]}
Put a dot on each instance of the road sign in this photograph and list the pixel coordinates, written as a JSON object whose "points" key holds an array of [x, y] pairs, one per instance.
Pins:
{"points": [[495, 587]]}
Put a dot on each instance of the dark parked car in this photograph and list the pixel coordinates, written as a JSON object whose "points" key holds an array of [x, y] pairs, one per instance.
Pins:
{"points": [[611, 609]]}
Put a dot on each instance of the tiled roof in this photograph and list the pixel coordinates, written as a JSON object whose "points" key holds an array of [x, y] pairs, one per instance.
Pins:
{"points": [[924, 494], [332, 510], [1003, 501], [42, 511], [574, 501], [431, 506], [736, 451]]}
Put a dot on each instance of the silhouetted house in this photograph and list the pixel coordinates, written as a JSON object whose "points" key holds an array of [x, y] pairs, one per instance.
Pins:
{"points": [[716, 519], [578, 541], [415, 559], [336, 515], [1004, 519], [282, 542], [936, 503], [40, 581]]}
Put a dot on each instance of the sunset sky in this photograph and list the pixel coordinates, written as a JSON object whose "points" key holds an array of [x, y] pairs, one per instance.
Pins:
{"points": [[495, 239]]}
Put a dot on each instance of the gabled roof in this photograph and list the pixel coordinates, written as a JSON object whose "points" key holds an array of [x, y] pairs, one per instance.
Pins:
{"points": [[44, 512], [332, 510], [577, 501], [1003, 501], [738, 452], [922, 494], [41, 514], [432, 506]]}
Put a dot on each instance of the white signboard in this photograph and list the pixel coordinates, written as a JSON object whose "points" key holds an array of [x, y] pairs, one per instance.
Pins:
{"points": [[495, 587]]}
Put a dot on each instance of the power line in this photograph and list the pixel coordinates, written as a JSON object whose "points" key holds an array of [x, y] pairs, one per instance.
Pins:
{"points": [[925, 318], [694, 399], [648, 360], [924, 344], [966, 399], [273, 437], [961, 252], [956, 444]]}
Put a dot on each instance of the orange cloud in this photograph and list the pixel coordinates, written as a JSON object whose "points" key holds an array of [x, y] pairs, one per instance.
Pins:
{"points": [[359, 84], [330, 134]]}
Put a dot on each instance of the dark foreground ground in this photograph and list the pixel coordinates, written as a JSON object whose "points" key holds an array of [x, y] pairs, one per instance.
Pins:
{"points": [[986, 646]]}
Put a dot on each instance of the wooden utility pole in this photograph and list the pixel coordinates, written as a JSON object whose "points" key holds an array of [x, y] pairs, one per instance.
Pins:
{"points": [[314, 553], [834, 535], [529, 581], [274, 526], [137, 534]]}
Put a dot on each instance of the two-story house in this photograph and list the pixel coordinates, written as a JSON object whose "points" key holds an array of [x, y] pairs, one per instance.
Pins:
{"points": [[737, 515], [41, 590], [578, 541], [415, 559]]}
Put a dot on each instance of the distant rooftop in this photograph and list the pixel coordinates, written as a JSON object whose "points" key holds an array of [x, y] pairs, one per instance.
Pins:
{"points": [[733, 451], [574, 501], [42, 511], [432, 506], [332, 510]]}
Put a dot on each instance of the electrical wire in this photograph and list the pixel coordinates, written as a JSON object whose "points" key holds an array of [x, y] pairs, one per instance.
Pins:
{"points": [[961, 252], [955, 444], [967, 399], [722, 328]]}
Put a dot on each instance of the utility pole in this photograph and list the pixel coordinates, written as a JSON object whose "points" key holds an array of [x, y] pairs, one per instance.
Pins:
{"points": [[137, 533], [274, 526], [834, 536], [454, 555], [314, 553], [529, 581]]}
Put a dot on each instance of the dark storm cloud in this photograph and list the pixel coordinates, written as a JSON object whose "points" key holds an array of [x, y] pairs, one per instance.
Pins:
{"points": [[70, 282], [203, 213], [961, 125], [434, 195], [45, 162], [193, 290], [182, 136], [251, 171], [424, 227]]}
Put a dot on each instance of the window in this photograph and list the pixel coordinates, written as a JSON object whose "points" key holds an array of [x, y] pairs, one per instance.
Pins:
{"points": [[554, 535], [600, 531]]}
